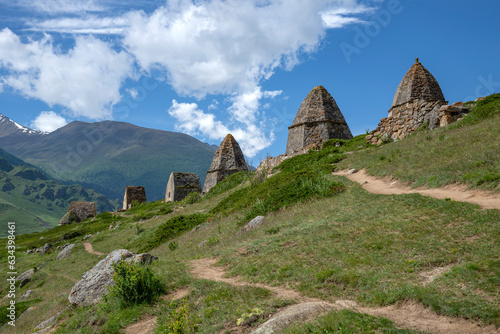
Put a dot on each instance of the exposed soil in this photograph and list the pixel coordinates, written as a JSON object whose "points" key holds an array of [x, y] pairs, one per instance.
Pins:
{"points": [[205, 269], [143, 326], [88, 248], [406, 315], [388, 186]]}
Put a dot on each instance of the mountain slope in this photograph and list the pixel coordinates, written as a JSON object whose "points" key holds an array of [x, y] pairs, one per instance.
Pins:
{"points": [[108, 156], [35, 202]]}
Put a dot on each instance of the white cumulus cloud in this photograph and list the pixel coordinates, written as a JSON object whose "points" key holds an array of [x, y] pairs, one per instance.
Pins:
{"points": [[86, 80], [222, 47], [247, 124], [48, 121]]}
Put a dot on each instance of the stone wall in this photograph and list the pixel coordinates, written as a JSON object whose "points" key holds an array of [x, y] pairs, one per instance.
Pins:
{"points": [[180, 185], [404, 119], [313, 134], [133, 194], [407, 118]]}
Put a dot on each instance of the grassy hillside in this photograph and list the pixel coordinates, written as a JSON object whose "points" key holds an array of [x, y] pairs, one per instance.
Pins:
{"points": [[323, 236], [108, 156], [34, 202], [466, 152]]}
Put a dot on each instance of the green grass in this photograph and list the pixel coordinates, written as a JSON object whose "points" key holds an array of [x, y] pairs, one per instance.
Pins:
{"points": [[301, 178], [170, 229], [343, 322]]}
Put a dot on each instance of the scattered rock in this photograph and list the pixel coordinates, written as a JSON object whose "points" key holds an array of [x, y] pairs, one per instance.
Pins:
{"points": [[352, 171], [26, 295], [299, 313], [87, 236], [96, 281], [143, 258], [203, 243], [46, 248], [254, 223], [24, 282], [46, 323], [69, 218], [66, 249], [26, 274], [200, 227]]}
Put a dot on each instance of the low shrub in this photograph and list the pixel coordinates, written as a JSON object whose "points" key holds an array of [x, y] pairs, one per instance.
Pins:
{"points": [[135, 284]]}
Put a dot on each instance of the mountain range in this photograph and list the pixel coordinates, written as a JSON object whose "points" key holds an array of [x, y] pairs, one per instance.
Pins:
{"points": [[108, 156]]}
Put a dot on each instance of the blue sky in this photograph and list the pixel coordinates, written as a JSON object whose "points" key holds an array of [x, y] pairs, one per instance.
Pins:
{"points": [[207, 68]]}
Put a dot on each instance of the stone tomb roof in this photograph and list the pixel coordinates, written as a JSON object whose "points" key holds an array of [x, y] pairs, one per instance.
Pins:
{"points": [[228, 156], [417, 84], [318, 106], [228, 159]]}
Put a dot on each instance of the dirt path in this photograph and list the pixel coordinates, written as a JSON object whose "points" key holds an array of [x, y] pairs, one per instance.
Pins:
{"points": [[88, 248], [144, 326], [387, 186], [205, 269], [408, 315]]}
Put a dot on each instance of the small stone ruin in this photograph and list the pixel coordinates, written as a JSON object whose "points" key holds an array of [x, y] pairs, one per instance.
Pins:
{"points": [[318, 119], [228, 159], [180, 185], [418, 100], [78, 211], [133, 194]]}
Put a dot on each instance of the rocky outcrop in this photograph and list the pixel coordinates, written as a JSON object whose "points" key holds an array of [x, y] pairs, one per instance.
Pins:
{"points": [[133, 194], [418, 100], [96, 281], [69, 218], [253, 224], [318, 119], [228, 159], [180, 185], [298, 313], [46, 248], [83, 210], [66, 249]]}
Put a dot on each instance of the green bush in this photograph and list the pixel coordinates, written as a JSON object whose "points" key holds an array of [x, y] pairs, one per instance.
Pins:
{"points": [[135, 284]]}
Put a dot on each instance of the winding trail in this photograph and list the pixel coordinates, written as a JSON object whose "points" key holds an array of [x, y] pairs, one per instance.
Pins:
{"points": [[407, 315], [90, 249], [388, 186]]}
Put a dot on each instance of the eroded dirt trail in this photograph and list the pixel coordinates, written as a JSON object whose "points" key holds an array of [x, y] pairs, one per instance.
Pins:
{"points": [[408, 315], [205, 269], [88, 248], [387, 186]]}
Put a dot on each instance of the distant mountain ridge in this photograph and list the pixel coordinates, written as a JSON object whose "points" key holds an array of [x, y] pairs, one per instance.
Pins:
{"points": [[9, 127], [29, 198], [108, 156]]}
